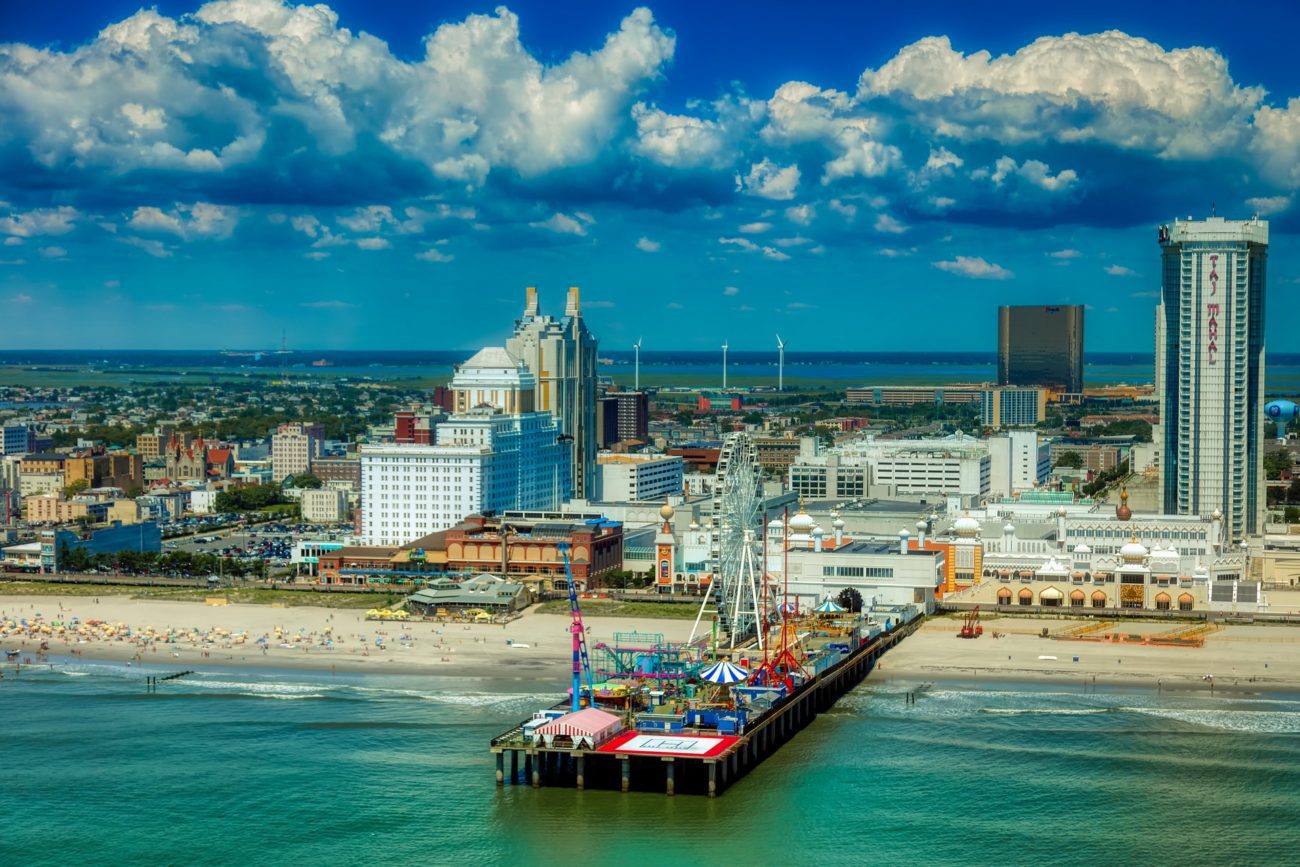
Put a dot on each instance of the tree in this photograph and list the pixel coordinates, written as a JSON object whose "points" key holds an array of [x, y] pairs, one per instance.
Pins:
{"points": [[1073, 460], [75, 488], [752, 417], [849, 599], [305, 480], [1276, 462], [1270, 430], [1292, 514]]}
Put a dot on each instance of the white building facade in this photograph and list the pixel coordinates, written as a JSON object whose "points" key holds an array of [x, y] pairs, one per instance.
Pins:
{"points": [[640, 478], [1210, 369]]}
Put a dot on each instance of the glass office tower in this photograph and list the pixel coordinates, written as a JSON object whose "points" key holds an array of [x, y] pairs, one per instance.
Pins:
{"points": [[1210, 370], [1041, 346]]}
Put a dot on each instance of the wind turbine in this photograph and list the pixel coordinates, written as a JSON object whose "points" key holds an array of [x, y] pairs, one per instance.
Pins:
{"points": [[780, 364], [724, 365], [637, 346]]}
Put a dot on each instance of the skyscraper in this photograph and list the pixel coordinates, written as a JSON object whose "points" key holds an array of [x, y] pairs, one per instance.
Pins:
{"points": [[1041, 346], [561, 354], [1210, 369]]}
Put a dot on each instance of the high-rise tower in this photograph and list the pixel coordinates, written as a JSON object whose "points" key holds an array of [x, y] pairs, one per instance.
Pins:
{"points": [[1041, 346], [1210, 370], [561, 353]]}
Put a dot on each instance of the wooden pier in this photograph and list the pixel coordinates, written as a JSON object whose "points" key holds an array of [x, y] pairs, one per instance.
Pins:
{"points": [[675, 763]]}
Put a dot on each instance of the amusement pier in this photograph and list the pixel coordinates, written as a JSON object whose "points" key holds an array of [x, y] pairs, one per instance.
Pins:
{"points": [[695, 716]]}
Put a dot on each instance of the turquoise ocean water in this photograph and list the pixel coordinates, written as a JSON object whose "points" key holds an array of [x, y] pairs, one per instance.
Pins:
{"points": [[301, 768]]}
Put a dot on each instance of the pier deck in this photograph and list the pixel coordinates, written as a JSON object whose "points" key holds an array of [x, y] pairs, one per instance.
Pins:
{"points": [[692, 761]]}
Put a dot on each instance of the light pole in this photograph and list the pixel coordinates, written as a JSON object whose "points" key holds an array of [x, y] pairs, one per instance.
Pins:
{"points": [[724, 365]]}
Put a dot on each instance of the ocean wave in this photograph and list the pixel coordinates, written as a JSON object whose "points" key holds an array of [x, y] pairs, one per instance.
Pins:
{"points": [[252, 687], [1046, 711], [1246, 721]]}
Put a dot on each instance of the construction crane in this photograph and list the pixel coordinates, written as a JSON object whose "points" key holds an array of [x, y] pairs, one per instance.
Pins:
{"points": [[970, 627], [581, 664]]}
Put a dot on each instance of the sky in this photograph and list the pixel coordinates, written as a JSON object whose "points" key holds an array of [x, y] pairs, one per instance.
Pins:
{"points": [[369, 175]]}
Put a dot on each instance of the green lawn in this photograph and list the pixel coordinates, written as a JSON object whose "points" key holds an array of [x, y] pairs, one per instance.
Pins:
{"points": [[613, 608]]}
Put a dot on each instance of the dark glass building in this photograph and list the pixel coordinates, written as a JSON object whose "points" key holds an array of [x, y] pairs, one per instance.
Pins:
{"points": [[1041, 346]]}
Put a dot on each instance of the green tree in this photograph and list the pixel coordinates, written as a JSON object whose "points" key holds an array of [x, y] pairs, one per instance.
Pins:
{"points": [[305, 480], [1072, 460], [1276, 462], [849, 599], [1292, 514], [75, 488]]}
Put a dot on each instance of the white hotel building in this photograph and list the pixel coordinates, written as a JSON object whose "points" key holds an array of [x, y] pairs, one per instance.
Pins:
{"points": [[494, 454], [1210, 370]]}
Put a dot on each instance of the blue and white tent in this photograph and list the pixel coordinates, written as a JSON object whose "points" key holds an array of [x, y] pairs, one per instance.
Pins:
{"points": [[829, 607], [725, 672]]}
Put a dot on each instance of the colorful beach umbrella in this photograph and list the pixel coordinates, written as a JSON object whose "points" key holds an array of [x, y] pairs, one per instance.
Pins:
{"points": [[725, 672]]}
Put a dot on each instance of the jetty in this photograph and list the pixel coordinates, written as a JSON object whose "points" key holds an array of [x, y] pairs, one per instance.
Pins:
{"points": [[663, 721]]}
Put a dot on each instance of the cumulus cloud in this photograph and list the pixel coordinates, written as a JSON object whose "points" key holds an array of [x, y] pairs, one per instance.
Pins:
{"points": [[434, 255], [755, 228], [889, 225], [801, 214], [1065, 254], [53, 252], [975, 267], [1119, 271], [373, 243], [188, 222], [40, 221], [731, 291], [332, 304], [769, 181], [645, 245], [563, 224]]}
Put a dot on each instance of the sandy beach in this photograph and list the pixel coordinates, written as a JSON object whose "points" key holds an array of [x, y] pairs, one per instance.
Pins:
{"points": [[1253, 657], [535, 645]]}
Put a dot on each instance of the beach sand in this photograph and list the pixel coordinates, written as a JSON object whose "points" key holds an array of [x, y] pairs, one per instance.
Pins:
{"points": [[1253, 657], [457, 649]]}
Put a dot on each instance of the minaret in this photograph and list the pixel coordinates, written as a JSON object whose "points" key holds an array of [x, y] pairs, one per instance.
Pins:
{"points": [[665, 549]]}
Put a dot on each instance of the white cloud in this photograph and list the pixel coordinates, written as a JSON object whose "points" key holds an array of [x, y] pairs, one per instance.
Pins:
{"points": [[863, 158], [800, 214], [743, 243], [795, 241], [188, 222], [563, 224], [1109, 87], [769, 181], [317, 255], [889, 225], [942, 202], [731, 291], [679, 141], [41, 221], [112, 284], [755, 228], [1065, 254], [13, 241], [434, 255], [645, 245], [152, 246], [1267, 205], [848, 209], [1034, 172], [896, 253], [373, 243], [1120, 271], [369, 219], [975, 267], [673, 305], [22, 298], [775, 254], [53, 252]]}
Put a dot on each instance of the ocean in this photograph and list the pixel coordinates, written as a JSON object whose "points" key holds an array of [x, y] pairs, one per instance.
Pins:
{"points": [[229, 767]]}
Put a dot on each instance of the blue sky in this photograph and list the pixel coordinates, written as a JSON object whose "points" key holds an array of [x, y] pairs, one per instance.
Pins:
{"points": [[363, 175]]}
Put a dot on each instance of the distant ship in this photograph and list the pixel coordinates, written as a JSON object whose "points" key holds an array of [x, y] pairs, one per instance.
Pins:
{"points": [[605, 360], [322, 362]]}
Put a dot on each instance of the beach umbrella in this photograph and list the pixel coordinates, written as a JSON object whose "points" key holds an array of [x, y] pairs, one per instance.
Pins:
{"points": [[724, 672], [829, 607]]}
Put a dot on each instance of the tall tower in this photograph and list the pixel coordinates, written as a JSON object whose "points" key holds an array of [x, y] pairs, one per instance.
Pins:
{"points": [[1041, 346], [1210, 369], [561, 353]]}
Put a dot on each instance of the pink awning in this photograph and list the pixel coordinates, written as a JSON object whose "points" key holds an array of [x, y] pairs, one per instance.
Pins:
{"points": [[589, 722]]}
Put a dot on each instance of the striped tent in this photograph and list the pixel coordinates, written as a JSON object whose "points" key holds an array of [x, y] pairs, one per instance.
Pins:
{"points": [[725, 672], [589, 726], [829, 607], [789, 608]]}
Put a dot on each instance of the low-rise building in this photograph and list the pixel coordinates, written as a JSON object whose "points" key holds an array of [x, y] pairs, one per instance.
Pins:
{"points": [[324, 506], [490, 593], [906, 395], [637, 478]]}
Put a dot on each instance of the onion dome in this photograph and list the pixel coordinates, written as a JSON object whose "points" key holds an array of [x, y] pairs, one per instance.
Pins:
{"points": [[966, 526], [1009, 528], [1133, 552], [818, 532], [1122, 511], [694, 525], [774, 524], [838, 523], [1217, 515], [920, 526], [666, 512], [1082, 549], [802, 522]]}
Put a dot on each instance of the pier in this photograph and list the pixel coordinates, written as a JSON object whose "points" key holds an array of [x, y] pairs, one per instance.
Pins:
{"points": [[656, 755]]}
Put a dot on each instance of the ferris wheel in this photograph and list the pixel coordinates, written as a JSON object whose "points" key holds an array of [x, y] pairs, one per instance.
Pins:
{"points": [[736, 528]]}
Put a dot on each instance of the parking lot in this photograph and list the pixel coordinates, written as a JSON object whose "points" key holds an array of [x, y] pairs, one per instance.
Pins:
{"points": [[272, 542]]}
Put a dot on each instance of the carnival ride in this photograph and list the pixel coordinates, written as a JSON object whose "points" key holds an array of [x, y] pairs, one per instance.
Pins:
{"points": [[581, 662], [737, 588]]}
